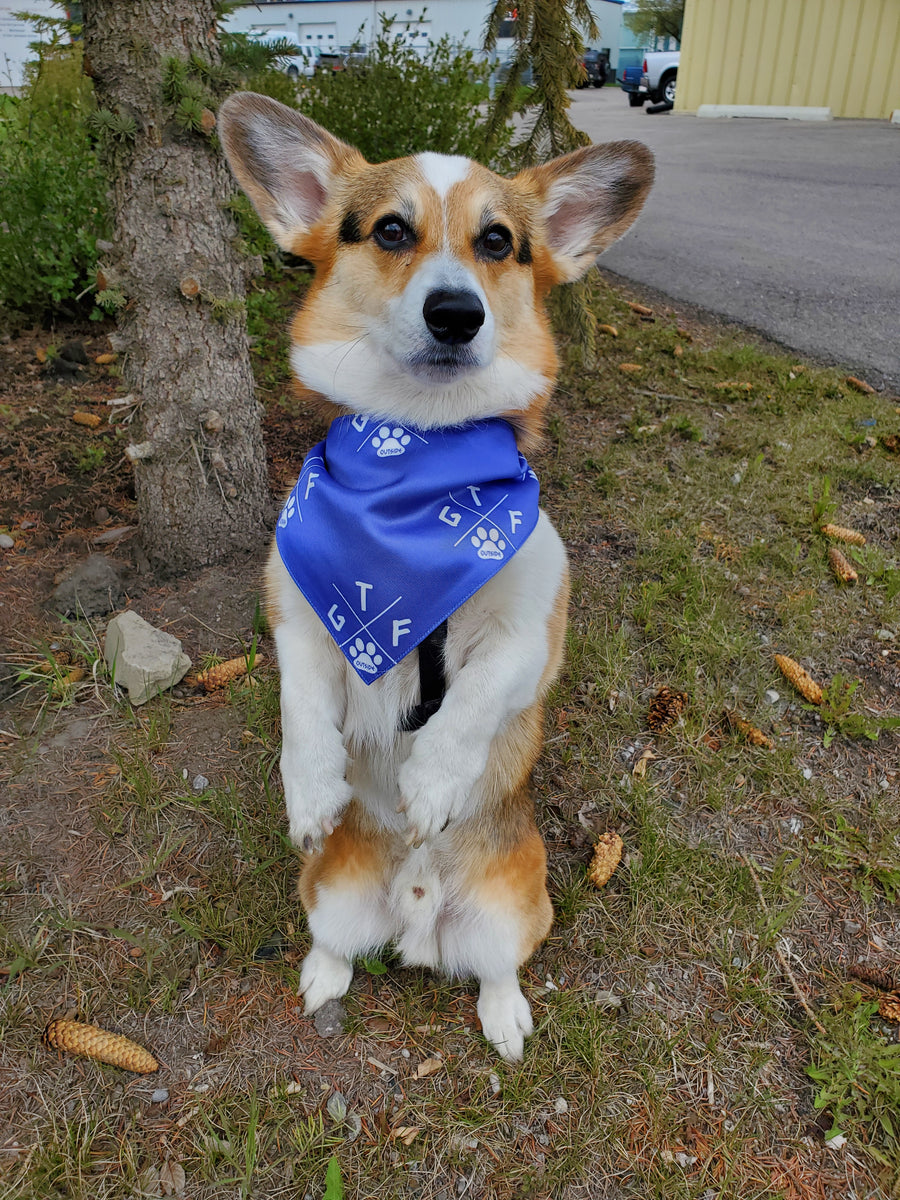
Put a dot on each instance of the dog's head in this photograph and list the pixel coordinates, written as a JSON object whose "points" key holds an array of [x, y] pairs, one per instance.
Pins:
{"points": [[427, 306]]}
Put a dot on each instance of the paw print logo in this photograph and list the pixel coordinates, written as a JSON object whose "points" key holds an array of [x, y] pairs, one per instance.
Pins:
{"points": [[364, 657], [488, 545], [288, 511], [388, 442]]}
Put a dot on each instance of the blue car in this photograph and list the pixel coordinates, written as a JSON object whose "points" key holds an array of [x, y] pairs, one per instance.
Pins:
{"points": [[630, 81]]}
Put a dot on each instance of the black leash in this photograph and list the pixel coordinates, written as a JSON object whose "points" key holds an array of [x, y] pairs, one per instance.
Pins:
{"points": [[432, 682]]}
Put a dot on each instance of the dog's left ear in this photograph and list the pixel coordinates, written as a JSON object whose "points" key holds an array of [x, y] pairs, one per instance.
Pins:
{"points": [[588, 199], [285, 163]]}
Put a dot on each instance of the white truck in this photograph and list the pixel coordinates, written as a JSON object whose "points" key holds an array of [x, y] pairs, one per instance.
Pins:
{"points": [[658, 79]]}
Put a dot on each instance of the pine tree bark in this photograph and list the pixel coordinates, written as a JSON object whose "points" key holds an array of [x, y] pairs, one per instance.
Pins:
{"points": [[175, 263]]}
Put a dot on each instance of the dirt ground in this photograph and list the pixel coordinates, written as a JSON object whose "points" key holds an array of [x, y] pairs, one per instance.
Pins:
{"points": [[128, 898]]}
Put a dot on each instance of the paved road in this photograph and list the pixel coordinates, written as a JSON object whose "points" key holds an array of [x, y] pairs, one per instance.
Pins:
{"points": [[789, 227]]}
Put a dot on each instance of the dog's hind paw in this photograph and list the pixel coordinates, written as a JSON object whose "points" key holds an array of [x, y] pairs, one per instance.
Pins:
{"points": [[324, 976], [505, 1018]]}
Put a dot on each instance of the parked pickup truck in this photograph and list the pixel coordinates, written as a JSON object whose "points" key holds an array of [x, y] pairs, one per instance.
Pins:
{"points": [[630, 82], [658, 78]]}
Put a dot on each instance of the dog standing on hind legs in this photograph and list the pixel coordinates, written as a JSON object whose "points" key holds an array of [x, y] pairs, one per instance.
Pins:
{"points": [[417, 594]]}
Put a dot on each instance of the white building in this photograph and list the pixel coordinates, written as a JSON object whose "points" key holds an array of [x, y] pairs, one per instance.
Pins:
{"points": [[335, 23], [15, 36]]}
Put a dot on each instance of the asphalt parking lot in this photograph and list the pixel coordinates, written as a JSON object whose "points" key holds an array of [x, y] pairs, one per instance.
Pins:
{"points": [[791, 228]]}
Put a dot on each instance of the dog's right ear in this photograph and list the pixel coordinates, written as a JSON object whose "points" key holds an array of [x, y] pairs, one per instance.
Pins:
{"points": [[284, 162]]}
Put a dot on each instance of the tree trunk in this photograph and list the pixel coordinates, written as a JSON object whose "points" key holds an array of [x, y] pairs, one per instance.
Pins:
{"points": [[177, 276]]}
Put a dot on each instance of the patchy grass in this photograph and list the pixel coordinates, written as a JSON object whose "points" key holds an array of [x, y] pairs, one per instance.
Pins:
{"points": [[697, 1037]]}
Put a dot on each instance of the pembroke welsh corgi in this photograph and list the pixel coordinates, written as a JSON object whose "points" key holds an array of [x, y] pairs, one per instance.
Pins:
{"points": [[416, 593]]}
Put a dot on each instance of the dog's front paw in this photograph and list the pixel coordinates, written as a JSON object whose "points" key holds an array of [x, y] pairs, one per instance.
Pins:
{"points": [[430, 798], [314, 808], [505, 1018]]}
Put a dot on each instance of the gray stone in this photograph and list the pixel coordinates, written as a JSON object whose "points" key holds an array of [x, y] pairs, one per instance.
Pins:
{"points": [[144, 661], [330, 1018], [160, 1096], [92, 589], [200, 783], [772, 696], [6, 542]]}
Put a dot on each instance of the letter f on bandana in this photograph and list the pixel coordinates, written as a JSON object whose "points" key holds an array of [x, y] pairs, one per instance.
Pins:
{"points": [[390, 529]]}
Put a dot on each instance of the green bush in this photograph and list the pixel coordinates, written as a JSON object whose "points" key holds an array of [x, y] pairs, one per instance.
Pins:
{"points": [[395, 102], [52, 191]]}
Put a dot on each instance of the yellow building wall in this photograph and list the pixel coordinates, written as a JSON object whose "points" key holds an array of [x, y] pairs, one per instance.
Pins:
{"points": [[840, 54]]}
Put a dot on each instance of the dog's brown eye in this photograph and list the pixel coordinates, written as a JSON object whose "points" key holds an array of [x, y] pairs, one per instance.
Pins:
{"points": [[496, 242], [392, 234]]}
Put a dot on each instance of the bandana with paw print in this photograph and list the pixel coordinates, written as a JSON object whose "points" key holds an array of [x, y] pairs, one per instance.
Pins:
{"points": [[390, 529]]}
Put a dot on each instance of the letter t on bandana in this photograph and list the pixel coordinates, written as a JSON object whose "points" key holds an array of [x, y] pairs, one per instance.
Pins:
{"points": [[390, 529]]}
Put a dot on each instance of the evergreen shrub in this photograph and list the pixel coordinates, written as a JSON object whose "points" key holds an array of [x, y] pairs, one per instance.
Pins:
{"points": [[52, 191], [395, 101]]}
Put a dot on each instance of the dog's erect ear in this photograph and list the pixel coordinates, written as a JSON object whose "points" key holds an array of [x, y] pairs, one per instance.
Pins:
{"points": [[284, 162], [589, 198]]}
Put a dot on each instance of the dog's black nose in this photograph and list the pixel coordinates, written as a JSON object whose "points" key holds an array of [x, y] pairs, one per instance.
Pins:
{"points": [[453, 317]]}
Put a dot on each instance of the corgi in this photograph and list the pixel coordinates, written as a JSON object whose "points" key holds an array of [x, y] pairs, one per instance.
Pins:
{"points": [[424, 332]]}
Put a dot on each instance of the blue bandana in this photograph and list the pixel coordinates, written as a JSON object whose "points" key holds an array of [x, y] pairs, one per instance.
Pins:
{"points": [[389, 529]]}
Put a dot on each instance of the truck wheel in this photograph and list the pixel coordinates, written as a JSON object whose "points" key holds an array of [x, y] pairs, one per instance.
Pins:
{"points": [[636, 100], [668, 89]]}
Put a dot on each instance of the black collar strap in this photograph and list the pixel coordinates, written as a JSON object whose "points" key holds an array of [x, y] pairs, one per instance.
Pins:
{"points": [[432, 683]]}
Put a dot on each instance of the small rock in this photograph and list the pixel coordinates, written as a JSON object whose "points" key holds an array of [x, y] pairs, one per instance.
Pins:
{"points": [[494, 1081], [772, 697], [200, 783], [607, 999], [143, 660], [112, 535], [792, 824], [6, 542], [561, 1105], [160, 1096], [806, 772], [101, 515], [329, 1020], [74, 352], [885, 635]]}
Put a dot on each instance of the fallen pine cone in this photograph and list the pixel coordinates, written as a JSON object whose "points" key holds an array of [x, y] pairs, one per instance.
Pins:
{"points": [[731, 383], [91, 420], [876, 976], [841, 566], [639, 308], [610, 329], [891, 441], [90, 1042], [665, 709], [607, 856], [840, 534], [218, 676], [799, 679], [889, 1008], [630, 368], [750, 732], [860, 385], [678, 350]]}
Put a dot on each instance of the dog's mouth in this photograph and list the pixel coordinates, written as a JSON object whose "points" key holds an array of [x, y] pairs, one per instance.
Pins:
{"points": [[442, 364]]}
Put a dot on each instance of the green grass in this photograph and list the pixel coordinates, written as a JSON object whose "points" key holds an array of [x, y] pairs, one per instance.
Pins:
{"points": [[672, 1059]]}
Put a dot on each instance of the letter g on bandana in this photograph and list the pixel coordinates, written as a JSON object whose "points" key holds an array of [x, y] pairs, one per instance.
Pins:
{"points": [[390, 529]]}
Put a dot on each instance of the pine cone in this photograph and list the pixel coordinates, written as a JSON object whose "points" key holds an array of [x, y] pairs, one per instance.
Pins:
{"points": [[665, 709], [876, 976], [841, 566], [90, 1042], [889, 1007], [607, 855], [840, 534], [218, 676], [750, 732], [799, 679]]}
